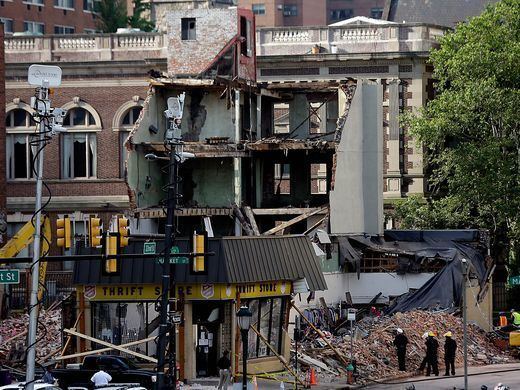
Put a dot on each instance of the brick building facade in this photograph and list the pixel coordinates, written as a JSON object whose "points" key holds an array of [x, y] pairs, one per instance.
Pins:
{"points": [[48, 16]]}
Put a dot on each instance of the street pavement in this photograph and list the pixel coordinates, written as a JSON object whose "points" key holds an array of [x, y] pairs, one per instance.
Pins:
{"points": [[508, 374]]}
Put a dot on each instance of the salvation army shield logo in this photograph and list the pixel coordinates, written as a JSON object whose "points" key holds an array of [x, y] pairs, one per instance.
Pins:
{"points": [[207, 290], [90, 292]]}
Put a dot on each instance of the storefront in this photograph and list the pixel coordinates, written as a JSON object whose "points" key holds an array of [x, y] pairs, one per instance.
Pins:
{"points": [[124, 310]]}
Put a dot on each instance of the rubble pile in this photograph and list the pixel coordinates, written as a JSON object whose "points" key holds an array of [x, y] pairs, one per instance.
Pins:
{"points": [[375, 354], [13, 336]]}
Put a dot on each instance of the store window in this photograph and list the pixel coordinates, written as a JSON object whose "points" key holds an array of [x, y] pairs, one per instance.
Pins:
{"points": [[121, 323], [267, 319], [258, 9], [21, 144]]}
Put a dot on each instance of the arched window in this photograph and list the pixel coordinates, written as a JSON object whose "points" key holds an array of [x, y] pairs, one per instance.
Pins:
{"points": [[20, 129], [78, 144]]}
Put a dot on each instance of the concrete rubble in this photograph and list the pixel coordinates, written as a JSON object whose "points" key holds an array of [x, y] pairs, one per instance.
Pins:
{"points": [[375, 354], [13, 336]]}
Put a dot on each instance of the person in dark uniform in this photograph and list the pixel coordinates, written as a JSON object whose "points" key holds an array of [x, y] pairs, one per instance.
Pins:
{"points": [[432, 345], [224, 365], [450, 346], [400, 343]]}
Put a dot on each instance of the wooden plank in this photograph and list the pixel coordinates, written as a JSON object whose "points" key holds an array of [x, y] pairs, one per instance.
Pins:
{"points": [[251, 217], [95, 351], [338, 354], [285, 211], [67, 342], [293, 221], [316, 225], [15, 337], [282, 360], [112, 346]]}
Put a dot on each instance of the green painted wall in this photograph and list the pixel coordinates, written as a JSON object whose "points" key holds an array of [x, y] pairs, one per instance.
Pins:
{"points": [[213, 180]]}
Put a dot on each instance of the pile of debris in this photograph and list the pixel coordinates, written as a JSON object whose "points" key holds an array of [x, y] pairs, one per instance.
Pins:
{"points": [[375, 354], [13, 337]]}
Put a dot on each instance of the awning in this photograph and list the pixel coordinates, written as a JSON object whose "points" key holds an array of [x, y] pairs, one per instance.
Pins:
{"points": [[236, 260]]}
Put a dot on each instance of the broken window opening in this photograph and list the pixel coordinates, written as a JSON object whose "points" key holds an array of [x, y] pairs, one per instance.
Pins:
{"points": [[188, 29], [318, 179], [245, 33], [282, 179], [316, 122], [281, 118]]}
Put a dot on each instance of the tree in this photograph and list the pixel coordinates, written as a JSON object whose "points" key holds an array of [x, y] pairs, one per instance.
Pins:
{"points": [[471, 131], [137, 20], [111, 14]]}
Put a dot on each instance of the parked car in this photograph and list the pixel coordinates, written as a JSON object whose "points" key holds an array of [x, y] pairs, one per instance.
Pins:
{"points": [[37, 386], [121, 369]]}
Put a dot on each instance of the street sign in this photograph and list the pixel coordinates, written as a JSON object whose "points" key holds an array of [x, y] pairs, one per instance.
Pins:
{"points": [[514, 280], [177, 317], [9, 276], [351, 314], [173, 259], [149, 248]]}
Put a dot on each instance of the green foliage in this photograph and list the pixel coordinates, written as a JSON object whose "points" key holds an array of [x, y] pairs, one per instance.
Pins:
{"points": [[111, 14], [471, 129], [137, 20]]}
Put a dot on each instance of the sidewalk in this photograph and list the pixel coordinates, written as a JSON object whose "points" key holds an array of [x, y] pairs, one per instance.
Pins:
{"points": [[212, 383]]}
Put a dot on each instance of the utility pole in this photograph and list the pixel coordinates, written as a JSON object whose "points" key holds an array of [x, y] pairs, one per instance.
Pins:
{"points": [[464, 321], [173, 142], [43, 77]]}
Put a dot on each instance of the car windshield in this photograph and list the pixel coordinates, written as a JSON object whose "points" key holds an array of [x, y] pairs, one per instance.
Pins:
{"points": [[128, 362]]}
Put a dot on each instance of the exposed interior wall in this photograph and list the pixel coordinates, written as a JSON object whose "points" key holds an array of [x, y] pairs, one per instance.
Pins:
{"points": [[356, 202], [481, 313]]}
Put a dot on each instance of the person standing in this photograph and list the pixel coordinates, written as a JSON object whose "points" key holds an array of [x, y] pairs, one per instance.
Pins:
{"points": [[450, 346], [425, 359], [47, 376], [432, 345], [400, 343], [224, 365], [101, 378]]}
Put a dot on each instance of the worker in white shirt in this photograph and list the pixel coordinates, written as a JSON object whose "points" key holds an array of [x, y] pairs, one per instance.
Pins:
{"points": [[100, 378]]}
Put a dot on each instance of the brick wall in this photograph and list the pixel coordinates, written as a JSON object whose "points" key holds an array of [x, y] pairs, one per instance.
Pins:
{"points": [[106, 101]]}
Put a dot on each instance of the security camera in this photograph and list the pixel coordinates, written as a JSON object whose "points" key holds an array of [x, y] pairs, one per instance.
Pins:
{"points": [[59, 115]]}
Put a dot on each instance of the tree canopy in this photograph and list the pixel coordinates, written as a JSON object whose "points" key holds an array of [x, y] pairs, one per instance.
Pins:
{"points": [[112, 15], [471, 132]]}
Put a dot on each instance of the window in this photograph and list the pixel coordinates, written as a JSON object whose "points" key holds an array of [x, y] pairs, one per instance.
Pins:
{"points": [[79, 148], [89, 31], [8, 25], [376, 13], [126, 125], [281, 118], [35, 2], [341, 14], [88, 5], [258, 9], [188, 31], [318, 179], [63, 30], [282, 179], [290, 10], [245, 33], [19, 151], [69, 4], [34, 28], [267, 319], [79, 155]]}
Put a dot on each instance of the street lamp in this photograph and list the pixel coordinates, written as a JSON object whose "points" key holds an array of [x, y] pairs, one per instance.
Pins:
{"points": [[244, 317]]}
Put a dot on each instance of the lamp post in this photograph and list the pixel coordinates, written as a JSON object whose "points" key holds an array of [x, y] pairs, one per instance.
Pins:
{"points": [[464, 321], [244, 316]]}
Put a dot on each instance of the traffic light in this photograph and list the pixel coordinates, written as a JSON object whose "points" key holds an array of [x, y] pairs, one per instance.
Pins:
{"points": [[95, 232], [63, 232], [110, 262], [124, 231], [199, 246]]}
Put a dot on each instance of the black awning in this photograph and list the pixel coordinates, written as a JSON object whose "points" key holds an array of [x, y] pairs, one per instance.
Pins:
{"points": [[236, 260]]}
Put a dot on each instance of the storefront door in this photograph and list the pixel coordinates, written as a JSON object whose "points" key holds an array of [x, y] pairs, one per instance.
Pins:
{"points": [[207, 316]]}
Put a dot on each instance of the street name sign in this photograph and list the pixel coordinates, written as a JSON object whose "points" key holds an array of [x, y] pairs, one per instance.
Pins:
{"points": [[9, 276], [514, 280], [149, 248], [174, 259]]}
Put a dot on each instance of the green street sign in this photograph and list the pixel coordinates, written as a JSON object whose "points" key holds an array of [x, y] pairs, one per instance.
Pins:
{"points": [[9, 276], [176, 259], [514, 280], [149, 248]]}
